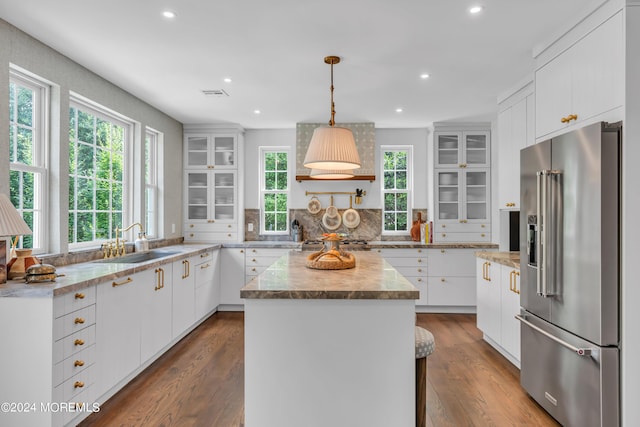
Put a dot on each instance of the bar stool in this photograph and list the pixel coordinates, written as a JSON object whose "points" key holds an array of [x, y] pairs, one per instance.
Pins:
{"points": [[425, 344]]}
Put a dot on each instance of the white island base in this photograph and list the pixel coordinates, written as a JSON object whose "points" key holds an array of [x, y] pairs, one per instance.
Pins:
{"points": [[329, 362]]}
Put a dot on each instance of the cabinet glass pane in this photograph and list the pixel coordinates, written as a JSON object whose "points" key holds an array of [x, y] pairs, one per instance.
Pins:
{"points": [[448, 149], [223, 143], [476, 149], [448, 194], [476, 178], [224, 180], [448, 210], [197, 143], [197, 180], [448, 178], [476, 194], [224, 212], [224, 158], [224, 196], [197, 196], [197, 212], [197, 159], [447, 142], [476, 211]]}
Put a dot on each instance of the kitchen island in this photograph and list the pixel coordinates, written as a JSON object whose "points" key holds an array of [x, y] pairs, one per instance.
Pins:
{"points": [[329, 347]]}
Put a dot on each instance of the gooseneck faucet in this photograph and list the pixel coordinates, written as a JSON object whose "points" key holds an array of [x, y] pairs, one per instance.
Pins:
{"points": [[119, 231]]}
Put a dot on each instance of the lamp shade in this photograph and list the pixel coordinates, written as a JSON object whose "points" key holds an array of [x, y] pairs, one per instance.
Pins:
{"points": [[332, 148], [11, 222], [331, 174]]}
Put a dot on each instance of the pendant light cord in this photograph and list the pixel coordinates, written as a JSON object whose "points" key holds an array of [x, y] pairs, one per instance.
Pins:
{"points": [[332, 122]]}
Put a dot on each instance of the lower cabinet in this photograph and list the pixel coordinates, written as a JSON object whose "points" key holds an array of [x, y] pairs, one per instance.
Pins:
{"points": [[231, 276], [498, 293], [157, 300], [184, 295], [207, 283]]}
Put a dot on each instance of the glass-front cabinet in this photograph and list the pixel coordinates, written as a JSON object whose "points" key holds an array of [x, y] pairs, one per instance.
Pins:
{"points": [[213, 208], [462, 149], [462, 159], [210, 151]]}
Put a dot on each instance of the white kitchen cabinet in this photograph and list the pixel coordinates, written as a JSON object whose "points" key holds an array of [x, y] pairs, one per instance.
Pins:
{"points": [[465, 149], [258, 260], [510, 306], [412, 264], [498, 290], [207, 283], [232, 277], [118, 330], [584, 83], [155, 289], [184, 295], [451, 278], [515, 132], [488, 298], [213, 180]]}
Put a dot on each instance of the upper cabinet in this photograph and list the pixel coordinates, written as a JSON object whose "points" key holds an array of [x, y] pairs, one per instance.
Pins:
{"points": [[213, 210], [462, 193], [515, 131], [584, 83], [462, 149], [207, 151]]}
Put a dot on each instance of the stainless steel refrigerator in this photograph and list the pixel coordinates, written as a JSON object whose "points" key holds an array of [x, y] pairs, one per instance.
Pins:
{"points": [[569, 266]]}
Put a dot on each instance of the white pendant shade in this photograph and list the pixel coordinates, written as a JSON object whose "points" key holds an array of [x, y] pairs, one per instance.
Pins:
{"points": [[332, 148], [11, 222], [331, 174]]}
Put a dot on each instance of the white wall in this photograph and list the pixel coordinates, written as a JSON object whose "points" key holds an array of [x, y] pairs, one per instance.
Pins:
{"points": [[18, 48], [287, 137]]}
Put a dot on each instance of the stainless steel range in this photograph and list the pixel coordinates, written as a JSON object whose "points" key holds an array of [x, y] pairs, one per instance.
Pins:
{"points": [[347, 244]]}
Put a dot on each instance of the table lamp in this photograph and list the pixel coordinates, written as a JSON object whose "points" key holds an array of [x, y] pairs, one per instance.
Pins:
{"points": [[11, 224]]}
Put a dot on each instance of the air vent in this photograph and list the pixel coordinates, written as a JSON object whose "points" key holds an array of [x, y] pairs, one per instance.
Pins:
{"points": [[215, 92]]}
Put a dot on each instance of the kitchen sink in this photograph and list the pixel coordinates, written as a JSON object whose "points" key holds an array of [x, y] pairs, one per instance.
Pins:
{"points": [[138, 257]]}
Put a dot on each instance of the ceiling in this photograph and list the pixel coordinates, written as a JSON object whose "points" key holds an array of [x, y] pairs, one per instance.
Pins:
{"points": [[273, 51]]}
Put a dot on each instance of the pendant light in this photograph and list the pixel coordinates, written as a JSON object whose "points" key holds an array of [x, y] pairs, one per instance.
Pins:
{"points": [[331, 174], [332, 148]]}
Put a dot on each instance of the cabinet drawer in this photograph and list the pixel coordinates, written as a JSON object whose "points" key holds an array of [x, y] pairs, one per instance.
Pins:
{"points": [[210, 227], [462, 237], [210, 237], [255, 270], [204, 272], [269, 252], [452, 291], [401, 253], [260, 261], [408, 262], [421, 284], [74, 343], [412, 271], [73, 322], [458, 227], [452, 262], [78, 383], [73, 365], [73, 301]]}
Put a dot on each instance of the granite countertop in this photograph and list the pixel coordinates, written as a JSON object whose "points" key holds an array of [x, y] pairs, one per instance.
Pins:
{"points": [[380, 244], [289, 278], [510, 259], [82, 275]]}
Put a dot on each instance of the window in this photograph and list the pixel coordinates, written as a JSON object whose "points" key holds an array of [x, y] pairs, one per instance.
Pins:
{"points": [[28, 110], [274, 190], [151, 182], [396, 189], [97, 147]]}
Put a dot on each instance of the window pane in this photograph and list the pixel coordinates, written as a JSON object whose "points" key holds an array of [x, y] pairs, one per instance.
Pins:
{"points": [[116, 196], [103, 164], [282, 162], [85, 226], [281, 202], [102, 133], [281, 221], [270, 180], [14, 188], [84, 196], [281, 180], [401, 219], [85, 160], [270, 221], [401, 180], [388, 160], [102, 225], [389, 221], [401, 160], [27, 240], [117, 165], [401, 202], [25, 146], [389, 180], [12, 101], [269, 202], [25, 106], [85, 127], [389, 202], [27, 190], [270, 161], [102, 195]]}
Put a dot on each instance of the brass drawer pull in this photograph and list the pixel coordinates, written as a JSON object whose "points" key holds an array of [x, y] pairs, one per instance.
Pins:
{"points": [[207, 265], [78, 384], [79, 296], [78, 363], [78, 342], [124, 282], [79, 320]]}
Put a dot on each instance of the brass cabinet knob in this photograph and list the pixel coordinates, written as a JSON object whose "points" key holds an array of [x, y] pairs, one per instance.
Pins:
{"points": [[253, 269], [482, 226], [78, 363], [419, 259], [229, 226], [204, 255], [253, 260], [442, 279], [78, 342], [191, 234], [442, 251], [78, 384], [444, 235], [190, 225], [241, 251], [419, 250], [482, 235], [79, 320], [228, 235], [444, 225], [419, 279], [419, 270], [79, 296]]}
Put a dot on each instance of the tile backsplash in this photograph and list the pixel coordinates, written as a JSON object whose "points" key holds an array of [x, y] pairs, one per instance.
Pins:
{"points": [[369, 229]]}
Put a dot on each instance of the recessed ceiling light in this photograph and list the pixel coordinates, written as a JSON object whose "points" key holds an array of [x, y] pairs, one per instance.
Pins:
{"points": [[227, 80], [424, 76], [256, 111], [398, 110], [169, 14], [475, 9]]}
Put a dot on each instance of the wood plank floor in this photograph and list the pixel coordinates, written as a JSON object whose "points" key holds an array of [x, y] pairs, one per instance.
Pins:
{"points": [[199, 382]]}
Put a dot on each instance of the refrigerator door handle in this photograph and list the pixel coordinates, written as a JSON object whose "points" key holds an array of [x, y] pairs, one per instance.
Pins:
{"points": [[577, 350], [538, 231]]}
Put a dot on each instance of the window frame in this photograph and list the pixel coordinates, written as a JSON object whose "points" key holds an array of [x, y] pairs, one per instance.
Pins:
{"points": [[152, 143], [86, 105], [40, 162], [263, 150], [409, 190]]}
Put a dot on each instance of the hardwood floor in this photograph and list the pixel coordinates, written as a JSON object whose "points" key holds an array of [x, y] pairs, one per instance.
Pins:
{"points": [[200, 381]]}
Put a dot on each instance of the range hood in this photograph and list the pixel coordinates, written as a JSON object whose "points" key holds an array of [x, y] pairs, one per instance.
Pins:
{"points": [[365, 137]]}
